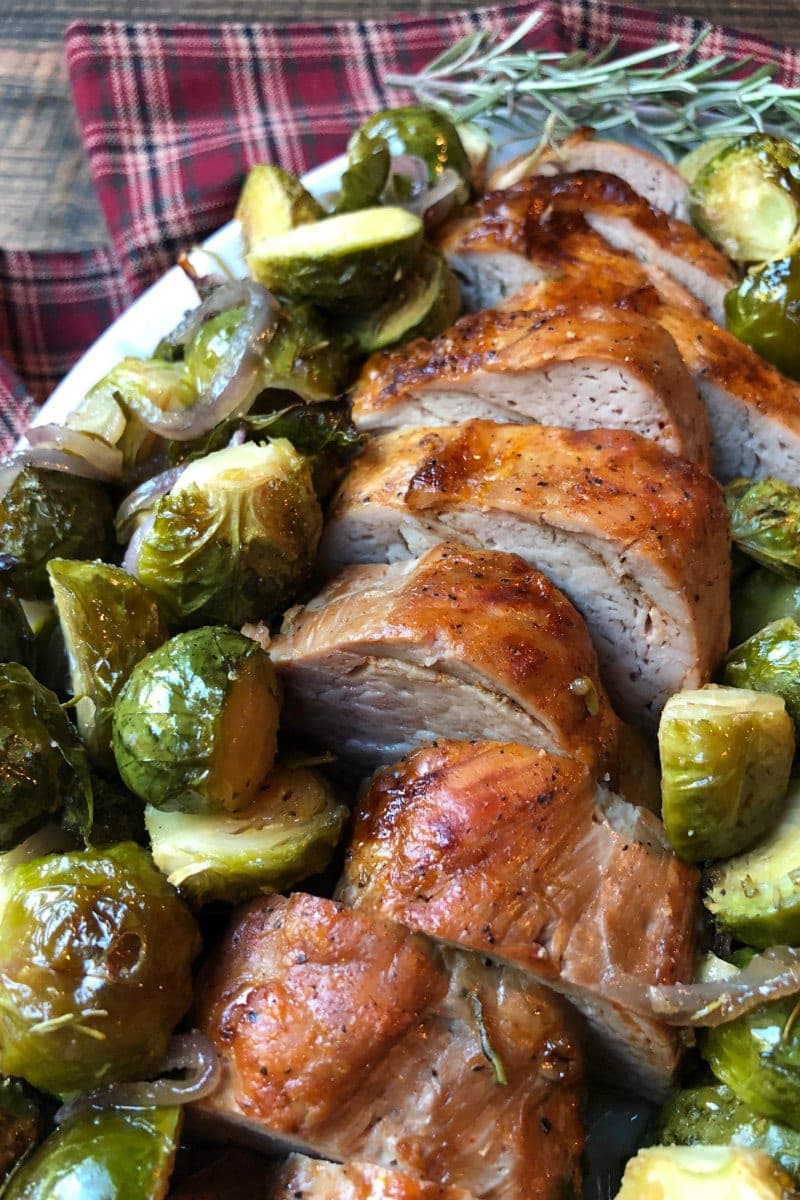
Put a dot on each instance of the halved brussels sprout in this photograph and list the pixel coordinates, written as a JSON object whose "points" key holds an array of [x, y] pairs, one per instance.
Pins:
{"points": [[368, 162], [746, 198], [50, 514], [756, 896], [301, 356], [769, 661], [109, 622], [43, 765], [704, 1173], [116, 1154], [692, 163], [195, 726], [765, 522], [423, 132], [426, 301], [235, 538], [764, 311], [713, 1115], [353, 257], [272, 201], [16, 637], [95, 967], [20, 1123], [131, 389], [760, 598], [726, 754], [757, 1055], [288, 832]]}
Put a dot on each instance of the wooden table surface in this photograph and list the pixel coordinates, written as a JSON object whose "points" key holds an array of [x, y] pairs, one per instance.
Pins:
{"points": [[47, 199]]}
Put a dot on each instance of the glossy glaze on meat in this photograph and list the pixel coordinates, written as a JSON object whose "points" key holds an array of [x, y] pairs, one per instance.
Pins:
{"points": [[346, 1035], [605, 367], [515, 853], [459, 643], [636, 538]]}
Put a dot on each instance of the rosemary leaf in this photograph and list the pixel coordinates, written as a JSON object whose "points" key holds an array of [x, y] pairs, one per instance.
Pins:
{"points": [[476, 1004]]}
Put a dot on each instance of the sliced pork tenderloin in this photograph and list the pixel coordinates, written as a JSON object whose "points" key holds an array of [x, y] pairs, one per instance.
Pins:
{"points": [[302, 1178], [346, 1036], [584, 369], [458, 643], [655, 180], [636, 538], [517, 854]]}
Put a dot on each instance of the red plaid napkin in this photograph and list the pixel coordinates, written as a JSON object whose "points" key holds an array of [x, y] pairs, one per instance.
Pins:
{"points": [[172, 118]]}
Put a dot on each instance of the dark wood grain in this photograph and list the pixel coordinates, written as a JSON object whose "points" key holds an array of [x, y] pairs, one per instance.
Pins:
{"points": [[48, 200]]}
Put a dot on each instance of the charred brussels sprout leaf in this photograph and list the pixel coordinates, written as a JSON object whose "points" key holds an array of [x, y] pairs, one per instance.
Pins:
{"points": [[764, 311], [704, 1173], [726, 755], [715, 1116], [368, 161], [423, 132], [765, 522], [760, 598], [756, 896], [273, 201], [95, 967], [16, 637], [769, 661], [746, 198], [118, 815], [758, 1056], [118, 1154], [20, 1123], [195, 726], [353, 257], [109, 622], [288, 832], [43, 765], [50, 514], [235, 538]]}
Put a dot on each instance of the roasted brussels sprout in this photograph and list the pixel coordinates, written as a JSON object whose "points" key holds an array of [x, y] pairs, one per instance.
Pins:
{"points": [[20, 1123], [765, 522], [45, 514], [368, 162], [130, 390], [756, 896], [95, 967], [235, 538], [423, 132], [118, 815], [288, 832], [726, 754], [353, 257], [757, 1055], [195, 726], [713, 1115], [115, 1154], [704, 1173], [273, 201], [692, 163], [746, 198], [302, 356], [43, 765], [16, 637], [109, 622], [764, 311], [760, 598], [769, 661], [426, 300]]}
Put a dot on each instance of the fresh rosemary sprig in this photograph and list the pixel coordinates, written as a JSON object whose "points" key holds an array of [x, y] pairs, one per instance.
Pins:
{"points": [[665, 94]]}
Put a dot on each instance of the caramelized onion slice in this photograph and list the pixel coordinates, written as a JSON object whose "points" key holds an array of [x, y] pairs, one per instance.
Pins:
{"points": [[768, 976], [190, 1053]]}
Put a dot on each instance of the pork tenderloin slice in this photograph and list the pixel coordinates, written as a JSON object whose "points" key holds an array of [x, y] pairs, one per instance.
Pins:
{"points": [[348, 1037], [517, 854], [655, 180], [484, 641], [302, 1178], [583, 369], [548, 240], [637, 539]]}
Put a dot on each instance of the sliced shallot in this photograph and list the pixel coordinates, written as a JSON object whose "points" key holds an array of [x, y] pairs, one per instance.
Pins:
{"points": [[768, 976]]}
